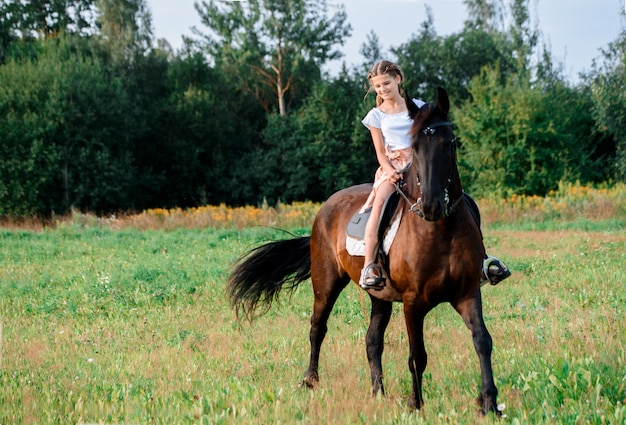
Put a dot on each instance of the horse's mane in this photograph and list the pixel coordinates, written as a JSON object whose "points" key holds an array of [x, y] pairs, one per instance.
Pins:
{"points": [[422, 116]]}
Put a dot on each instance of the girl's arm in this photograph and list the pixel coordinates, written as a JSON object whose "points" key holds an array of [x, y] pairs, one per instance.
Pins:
{"points": [[379, 145]]}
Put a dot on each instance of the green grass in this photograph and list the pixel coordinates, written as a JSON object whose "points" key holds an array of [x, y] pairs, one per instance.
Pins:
{"points": [[579, 224], [127, 326]]}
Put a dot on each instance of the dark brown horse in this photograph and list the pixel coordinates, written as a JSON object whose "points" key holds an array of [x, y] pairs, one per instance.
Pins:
{"points": [[436, 257]]}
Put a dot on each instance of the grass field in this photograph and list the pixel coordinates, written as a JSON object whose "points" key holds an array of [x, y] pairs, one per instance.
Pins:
{"points": [[110, 324]]}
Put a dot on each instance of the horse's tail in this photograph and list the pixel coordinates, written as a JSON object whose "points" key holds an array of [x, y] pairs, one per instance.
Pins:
{"points": [[261, 274]]}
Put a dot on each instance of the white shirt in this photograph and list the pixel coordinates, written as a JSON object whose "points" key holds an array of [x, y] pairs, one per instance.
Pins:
{"points": [[395, 127]]}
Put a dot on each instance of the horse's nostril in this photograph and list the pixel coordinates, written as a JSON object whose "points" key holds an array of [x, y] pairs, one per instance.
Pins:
{"points": [[433, 211]]}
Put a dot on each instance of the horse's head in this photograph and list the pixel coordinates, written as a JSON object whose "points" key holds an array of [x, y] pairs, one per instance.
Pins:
{"points": [[434, 160]]}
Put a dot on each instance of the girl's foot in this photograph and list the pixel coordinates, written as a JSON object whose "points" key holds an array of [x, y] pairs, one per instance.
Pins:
{"points": [[372, 277]]}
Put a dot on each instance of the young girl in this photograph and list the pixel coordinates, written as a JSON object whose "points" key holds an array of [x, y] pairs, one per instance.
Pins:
{"points": [[389, 124]]}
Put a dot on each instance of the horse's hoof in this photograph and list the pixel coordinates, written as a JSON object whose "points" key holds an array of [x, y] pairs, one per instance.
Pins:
{"points": [[488, 407], [379, 392], [483, 413], [413, 403], [310, 382]]}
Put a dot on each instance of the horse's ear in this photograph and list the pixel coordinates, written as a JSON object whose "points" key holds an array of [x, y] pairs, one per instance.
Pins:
{"points": [[443, 103]]}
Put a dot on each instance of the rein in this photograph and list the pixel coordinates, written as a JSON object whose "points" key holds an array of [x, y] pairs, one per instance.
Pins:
{"points": [[415, 206]]}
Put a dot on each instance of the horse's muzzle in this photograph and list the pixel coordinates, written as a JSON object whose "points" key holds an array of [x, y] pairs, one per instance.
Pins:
{"points": [[431, 211]]}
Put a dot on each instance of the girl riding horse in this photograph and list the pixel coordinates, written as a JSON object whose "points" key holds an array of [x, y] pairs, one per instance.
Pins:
{"points": [[390, 123]]}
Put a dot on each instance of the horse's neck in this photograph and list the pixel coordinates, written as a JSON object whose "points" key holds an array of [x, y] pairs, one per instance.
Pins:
{"points": [[456, 189]]}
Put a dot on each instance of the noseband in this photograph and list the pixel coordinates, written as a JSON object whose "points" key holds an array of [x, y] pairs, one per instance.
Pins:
{"points": [[415, 207]]}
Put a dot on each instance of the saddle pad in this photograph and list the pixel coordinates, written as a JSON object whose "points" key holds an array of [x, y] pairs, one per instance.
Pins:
{"points": [[356, 246]]}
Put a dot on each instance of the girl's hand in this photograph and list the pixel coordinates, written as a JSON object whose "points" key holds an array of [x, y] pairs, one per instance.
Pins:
{"points": [[393, 176]]}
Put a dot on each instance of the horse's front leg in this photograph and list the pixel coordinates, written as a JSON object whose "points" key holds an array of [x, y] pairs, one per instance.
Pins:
{"points": [[472, 312], [417, 352], [375, 340]]}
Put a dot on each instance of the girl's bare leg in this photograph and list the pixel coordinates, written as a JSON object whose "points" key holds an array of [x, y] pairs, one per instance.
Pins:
{"points": [[371, 229]]}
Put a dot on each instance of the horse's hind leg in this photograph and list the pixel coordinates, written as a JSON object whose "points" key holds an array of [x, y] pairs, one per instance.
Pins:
{"points": [[381, 313], [471, 311], [326, 290], [418, 358]]}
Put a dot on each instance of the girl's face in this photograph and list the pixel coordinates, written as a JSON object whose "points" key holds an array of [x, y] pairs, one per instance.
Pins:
{"points": [[386, 86]]}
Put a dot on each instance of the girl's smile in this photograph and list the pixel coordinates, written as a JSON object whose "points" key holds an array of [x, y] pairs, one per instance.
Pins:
{"points": [[386, 85]]}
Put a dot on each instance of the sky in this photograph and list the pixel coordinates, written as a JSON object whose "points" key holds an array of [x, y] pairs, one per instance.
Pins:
{"points": [[573, 30]]}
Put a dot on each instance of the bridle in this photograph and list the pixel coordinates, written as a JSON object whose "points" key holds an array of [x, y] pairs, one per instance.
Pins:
{"points": [[450, 207]]}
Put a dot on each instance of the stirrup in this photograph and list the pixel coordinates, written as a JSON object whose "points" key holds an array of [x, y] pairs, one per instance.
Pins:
{"points": [[372, 277], [494, 271]]}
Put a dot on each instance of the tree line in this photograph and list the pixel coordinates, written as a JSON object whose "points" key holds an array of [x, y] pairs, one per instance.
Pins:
{"points": [[97, 115]]}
